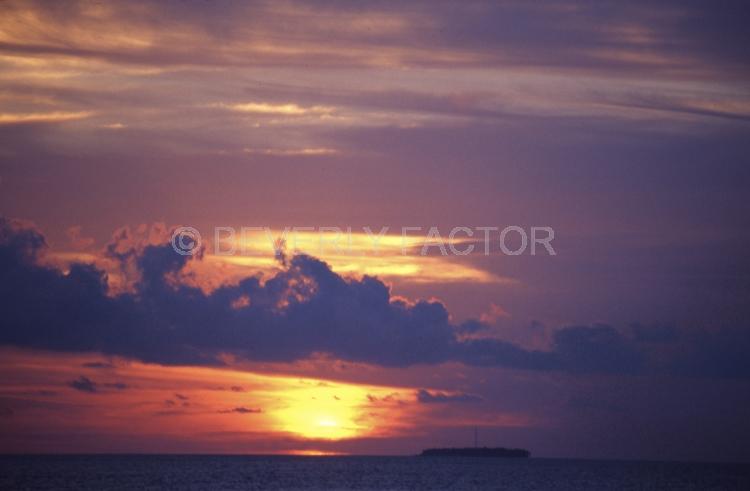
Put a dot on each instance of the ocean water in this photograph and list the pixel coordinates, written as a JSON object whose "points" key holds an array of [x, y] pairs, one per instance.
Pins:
{"points": [[194, 472]]}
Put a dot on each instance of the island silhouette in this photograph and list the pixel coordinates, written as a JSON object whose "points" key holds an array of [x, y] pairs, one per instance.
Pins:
{"points": [[477, 451]]}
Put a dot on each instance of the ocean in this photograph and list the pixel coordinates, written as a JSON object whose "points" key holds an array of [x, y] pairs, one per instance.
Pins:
{"points": [[207, 472]]}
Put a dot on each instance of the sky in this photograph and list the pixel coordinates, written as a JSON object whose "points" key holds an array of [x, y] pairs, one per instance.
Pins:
{"points": [[622, 127]]}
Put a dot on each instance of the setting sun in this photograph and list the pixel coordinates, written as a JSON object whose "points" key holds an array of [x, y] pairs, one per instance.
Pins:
{"points": [[324, 410]]}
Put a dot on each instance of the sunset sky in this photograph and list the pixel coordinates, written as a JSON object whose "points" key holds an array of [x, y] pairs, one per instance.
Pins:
{"points": [[622, 126]]}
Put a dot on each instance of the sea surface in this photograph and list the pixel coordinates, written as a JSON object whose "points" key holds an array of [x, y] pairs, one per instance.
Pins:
{"points": [[194, 472]]}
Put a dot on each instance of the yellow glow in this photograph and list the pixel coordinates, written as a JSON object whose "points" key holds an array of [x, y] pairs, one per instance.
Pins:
{"points": [[114, 126], [314, 453], [283, 109], [327, 240], [328, 411], [358, 253], [53, 117], [292, 152]]}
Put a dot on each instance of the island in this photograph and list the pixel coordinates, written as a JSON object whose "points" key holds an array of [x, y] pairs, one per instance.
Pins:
{"points": [[476, 452]]}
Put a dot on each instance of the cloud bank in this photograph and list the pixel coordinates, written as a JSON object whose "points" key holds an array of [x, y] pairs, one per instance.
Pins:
{"points": [[304, 310]]}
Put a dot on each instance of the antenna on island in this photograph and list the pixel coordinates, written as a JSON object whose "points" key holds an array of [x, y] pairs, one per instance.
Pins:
{"points": [[476, 438]]}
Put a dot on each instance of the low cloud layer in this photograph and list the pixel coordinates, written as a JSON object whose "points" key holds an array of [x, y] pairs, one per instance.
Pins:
{"points": [[305, 309]]}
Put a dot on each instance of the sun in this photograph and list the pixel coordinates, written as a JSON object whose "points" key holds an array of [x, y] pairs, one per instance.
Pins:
{"points": [[321, 419], [329, 411]]}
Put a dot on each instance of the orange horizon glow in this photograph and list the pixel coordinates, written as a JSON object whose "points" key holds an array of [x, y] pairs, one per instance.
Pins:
{"points": [[156, 399], [222, 410]]}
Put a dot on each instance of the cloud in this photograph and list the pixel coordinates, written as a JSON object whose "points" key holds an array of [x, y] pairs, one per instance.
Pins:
{"points": [[671, 37], [392, 398], [288, 109], [84, 384], [117, 385], [598, 348], [233, 388], [241, 410], [426, 397], [77, 241], [176, 412], [97, 364], [654, 333], [33, 118], [303, 310], [293, 152]]}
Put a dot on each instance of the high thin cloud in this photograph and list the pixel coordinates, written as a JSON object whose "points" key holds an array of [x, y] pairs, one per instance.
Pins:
{"points": [[35, 118], [303, 310], [498, 64], [672, 37]]}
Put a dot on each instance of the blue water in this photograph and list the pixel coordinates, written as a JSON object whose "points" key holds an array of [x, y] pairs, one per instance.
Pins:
{"points": [[408, 473]]}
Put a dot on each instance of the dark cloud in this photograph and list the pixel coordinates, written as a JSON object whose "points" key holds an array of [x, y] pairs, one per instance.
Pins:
{"points": [[388, 399], [654, 333], [233, 388], [304, 309], [426, 397], [47, 393], [97, 364], [666, 104], [721, 353], [597, 348], [241, 410], [117, 385], [171, 413], [84, 384]]}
